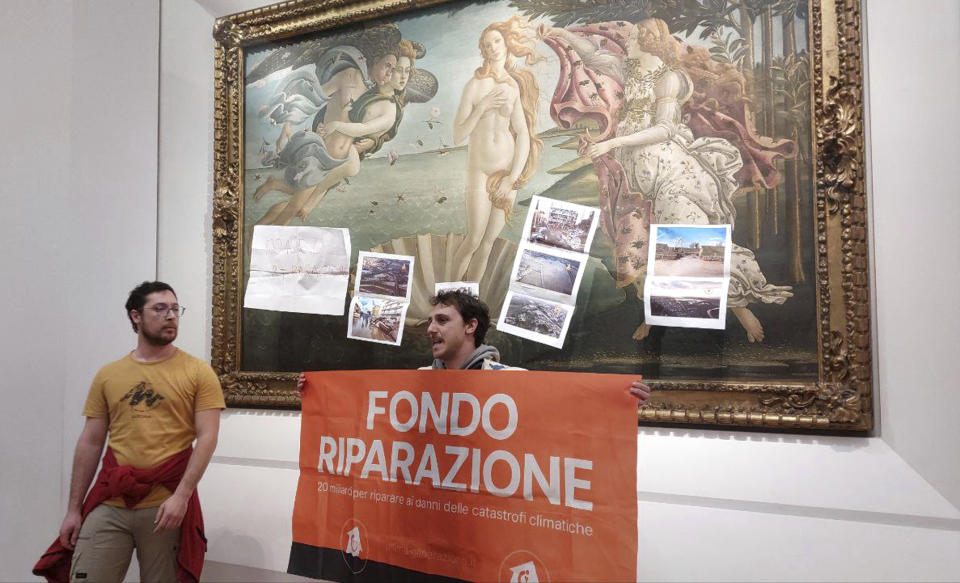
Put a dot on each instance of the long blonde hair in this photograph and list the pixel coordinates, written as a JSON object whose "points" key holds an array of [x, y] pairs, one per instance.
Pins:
{"points": [[518, 43], [696, 61], [659, 41]]}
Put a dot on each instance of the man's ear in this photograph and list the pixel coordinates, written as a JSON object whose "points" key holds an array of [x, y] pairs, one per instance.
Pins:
{"points": [[136, 317], [471, 326]]}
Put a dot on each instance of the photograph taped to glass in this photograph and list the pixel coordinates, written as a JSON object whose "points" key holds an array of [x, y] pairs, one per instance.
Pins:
{"points": [[535, 319], [376, 320], [689, 251], [384, 274], [560, 224], [552, 274], [686, 302]]}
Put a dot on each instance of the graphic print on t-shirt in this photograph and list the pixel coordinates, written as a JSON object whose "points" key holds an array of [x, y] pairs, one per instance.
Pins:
{"points": [[142, 397]]}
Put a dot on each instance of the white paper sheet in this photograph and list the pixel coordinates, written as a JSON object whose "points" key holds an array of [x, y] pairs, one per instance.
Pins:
{"points": [[298, 269]]}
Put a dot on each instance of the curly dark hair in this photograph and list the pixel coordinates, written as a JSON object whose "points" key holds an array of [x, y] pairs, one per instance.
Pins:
{"points": [[138, 297], [470, 307]]}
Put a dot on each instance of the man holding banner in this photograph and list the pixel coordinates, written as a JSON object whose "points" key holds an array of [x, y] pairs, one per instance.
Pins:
{"points": [[466, 476]]}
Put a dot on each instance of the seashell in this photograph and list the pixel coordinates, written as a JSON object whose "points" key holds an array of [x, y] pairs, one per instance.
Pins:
{"points": [[434, 258]]}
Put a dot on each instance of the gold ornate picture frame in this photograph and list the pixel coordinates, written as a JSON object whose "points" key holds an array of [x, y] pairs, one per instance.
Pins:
{"points": [[807, 224]]}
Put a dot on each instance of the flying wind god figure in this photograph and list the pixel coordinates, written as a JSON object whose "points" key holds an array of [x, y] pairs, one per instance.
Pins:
{"points": [[342, 100]]}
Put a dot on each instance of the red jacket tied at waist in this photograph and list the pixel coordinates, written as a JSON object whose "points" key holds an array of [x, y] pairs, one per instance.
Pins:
{"points": [[133, 485]]}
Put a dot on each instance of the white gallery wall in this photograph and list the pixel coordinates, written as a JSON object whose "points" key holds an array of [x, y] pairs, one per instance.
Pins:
{"points": [[36, 168], [93, 204], [78, 230]]}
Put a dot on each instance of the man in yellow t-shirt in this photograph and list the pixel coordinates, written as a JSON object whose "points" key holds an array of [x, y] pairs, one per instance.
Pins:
{"points": [[152, 403]]}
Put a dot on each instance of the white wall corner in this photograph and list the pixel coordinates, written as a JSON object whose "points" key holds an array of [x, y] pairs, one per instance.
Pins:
{"points": [[912, 149]]}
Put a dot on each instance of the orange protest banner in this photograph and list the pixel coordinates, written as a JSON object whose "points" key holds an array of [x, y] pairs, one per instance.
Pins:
{"points": [[466, 475]]}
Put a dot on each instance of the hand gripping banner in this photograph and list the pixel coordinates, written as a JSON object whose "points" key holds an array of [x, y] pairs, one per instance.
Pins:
{"points": [[466, 475]]}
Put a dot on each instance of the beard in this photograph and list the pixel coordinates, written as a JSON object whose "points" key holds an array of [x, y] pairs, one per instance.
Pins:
{"points": [[161, 339]]}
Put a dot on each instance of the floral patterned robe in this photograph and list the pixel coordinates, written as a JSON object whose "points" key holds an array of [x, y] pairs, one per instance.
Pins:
{"points": [[684, 179]]}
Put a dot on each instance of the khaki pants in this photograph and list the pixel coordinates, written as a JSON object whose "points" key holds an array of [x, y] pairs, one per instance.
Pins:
{"points": [[106, 542]]}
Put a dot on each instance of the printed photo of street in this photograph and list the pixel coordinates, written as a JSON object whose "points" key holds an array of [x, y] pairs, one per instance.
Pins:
{"points": [[384, 275], [562, 225], [376, 320], [549, 272], [690, 251]]}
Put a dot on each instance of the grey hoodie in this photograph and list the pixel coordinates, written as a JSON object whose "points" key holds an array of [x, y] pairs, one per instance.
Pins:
{"points": [[475, 360]]}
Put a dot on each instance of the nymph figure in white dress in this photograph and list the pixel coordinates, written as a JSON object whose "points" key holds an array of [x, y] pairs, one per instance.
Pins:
{"points": [[650, 156]]}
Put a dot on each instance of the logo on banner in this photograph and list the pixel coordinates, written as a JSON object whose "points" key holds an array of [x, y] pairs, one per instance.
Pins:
{"points": [[523, 567], [525, 573], [353, 543], [353, 536]]}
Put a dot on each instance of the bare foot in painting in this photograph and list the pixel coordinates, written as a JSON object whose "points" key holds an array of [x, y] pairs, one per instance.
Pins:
{"points": [[642, 331], [267, 186], [750, 323]]}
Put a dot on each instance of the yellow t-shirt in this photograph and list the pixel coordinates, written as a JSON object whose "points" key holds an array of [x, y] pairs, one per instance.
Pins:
{"points": [[150, 409]]}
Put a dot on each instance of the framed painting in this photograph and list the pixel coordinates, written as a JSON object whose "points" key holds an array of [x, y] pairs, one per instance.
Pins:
{"points": [[426, 128]]}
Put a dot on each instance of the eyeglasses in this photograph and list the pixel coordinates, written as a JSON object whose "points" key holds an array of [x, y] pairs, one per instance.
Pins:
{"points": [[162, 310]]}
